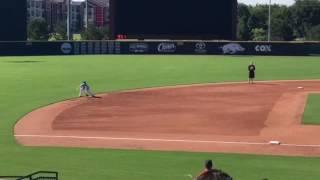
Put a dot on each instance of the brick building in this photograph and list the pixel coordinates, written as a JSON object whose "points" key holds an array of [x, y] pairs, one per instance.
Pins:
{"points": [[55, 12], [35, 9], [98, 13]]}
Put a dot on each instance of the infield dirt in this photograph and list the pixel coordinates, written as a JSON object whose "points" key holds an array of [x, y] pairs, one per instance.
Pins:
{"points": [[237, 118]]}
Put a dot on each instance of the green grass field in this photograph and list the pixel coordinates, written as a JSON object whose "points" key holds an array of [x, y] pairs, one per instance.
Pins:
{"points": [[312, 114], [31, 82]]}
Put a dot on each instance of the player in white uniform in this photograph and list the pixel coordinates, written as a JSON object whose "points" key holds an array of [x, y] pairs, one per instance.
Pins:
{"points": [[85, 89]]}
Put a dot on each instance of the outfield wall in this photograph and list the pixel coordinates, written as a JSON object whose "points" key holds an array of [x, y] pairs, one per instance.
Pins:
{"points": [[159, 47]]}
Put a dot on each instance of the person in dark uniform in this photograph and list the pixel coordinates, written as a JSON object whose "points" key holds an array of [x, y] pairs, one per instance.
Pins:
{"points": [[211, 173], [252, 74]]}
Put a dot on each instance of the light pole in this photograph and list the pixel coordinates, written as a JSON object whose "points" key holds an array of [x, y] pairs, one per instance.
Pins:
{"points": [[269, 22], [86, 14], [68, 19]]}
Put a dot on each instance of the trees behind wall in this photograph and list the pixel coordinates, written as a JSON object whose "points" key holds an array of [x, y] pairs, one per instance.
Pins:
{"points": [[95, 33], [38, 29], [299, 21]]}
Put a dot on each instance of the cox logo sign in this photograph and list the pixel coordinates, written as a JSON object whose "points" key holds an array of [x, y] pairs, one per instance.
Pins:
{"points": [[66, 48], [167, 47], [263, 48]]}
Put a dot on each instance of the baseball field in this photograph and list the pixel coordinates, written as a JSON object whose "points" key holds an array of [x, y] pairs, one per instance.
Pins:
{"points": [[28, 83]]}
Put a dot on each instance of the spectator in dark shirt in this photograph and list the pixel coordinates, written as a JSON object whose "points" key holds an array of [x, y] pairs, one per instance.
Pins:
{"points": [[251, 69], [212, 174]]}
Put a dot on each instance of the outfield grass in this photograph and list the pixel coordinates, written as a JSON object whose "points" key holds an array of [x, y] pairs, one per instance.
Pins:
{"points": [[311, 113], [31, 82]]}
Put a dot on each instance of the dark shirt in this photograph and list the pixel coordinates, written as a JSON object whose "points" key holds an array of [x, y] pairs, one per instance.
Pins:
{"points": [[251, 67], [213, 174]]}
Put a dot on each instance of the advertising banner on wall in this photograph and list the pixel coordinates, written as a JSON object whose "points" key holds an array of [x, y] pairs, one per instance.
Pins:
{"points": [[158, 47]]}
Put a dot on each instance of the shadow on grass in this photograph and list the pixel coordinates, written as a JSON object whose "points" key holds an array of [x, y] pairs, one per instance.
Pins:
{"points": [[23, 62]]}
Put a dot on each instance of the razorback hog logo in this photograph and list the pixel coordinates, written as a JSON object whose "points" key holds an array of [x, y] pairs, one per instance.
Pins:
{"points": [[232, 48]]}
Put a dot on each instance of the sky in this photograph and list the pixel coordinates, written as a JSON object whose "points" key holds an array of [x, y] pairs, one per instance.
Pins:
{"points": [[254, 2]]}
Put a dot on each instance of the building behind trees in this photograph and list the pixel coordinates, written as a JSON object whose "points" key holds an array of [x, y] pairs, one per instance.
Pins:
{"points": [[55, 13]]}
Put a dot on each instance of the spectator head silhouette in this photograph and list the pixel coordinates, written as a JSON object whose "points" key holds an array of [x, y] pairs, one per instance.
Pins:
{"points": [[208, 164]]}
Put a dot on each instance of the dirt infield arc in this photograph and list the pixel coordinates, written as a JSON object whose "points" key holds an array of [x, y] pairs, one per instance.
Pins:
{"points": [[237, 118]]}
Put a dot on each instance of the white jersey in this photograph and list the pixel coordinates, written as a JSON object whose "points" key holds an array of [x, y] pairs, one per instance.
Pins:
{"points": [[85, 89]]}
